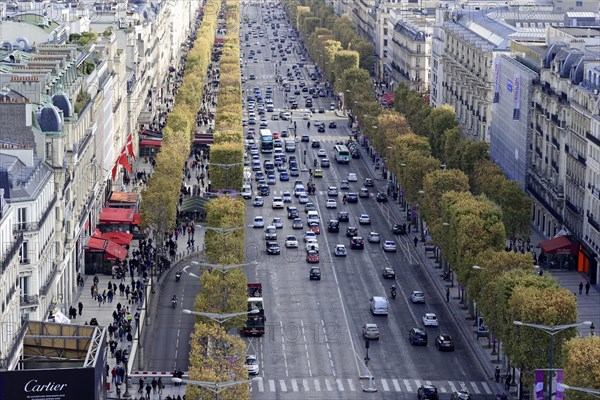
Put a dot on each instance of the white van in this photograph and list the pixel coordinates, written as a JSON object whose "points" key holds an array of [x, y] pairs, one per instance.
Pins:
{"points": [[379, 305], [298, 190], [313, 216], [246, 192]]}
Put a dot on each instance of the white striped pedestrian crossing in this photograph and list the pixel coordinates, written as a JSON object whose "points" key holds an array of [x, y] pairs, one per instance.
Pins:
{"points": [[352, 385]]}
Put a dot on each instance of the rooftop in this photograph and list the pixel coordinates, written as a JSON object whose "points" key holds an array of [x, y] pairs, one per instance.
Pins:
{"points": [[38, 20], [19, 181]]}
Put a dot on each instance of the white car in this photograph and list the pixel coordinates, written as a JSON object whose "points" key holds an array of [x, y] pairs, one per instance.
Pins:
{"points": [[303, 199], [306, 116], [277, 202], [364, 219], [352, 177], [417, 296], [258, 201], [259, 222], [374, 237], [291, 241], [277, 223], [252, 365], [429, 319], [312, 244], [332, 191], [340, 250], [308, 235], [317, 123], [331, 203], [389, 245], [287, 197], [322, 153]]}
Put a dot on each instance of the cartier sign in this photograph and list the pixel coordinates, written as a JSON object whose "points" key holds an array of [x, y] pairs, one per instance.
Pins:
{"points": [[48, 384]]}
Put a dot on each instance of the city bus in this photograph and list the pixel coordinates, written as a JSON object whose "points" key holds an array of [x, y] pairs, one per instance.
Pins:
{"points": [[255, 323], [266, 141], [342, 154]]}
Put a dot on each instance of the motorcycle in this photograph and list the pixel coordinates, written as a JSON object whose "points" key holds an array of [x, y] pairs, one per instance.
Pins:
{"points": [[174, 303], [177, 276], [393, 293]]}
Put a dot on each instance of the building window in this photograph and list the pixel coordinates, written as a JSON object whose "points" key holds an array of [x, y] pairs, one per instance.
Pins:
{"points": [[385, 42], [579, 4], [48, 150], [22, 218], [385, 31], [24, 253]]}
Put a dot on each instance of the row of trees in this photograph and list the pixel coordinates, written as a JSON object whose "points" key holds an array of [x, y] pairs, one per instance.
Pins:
{"points": [[471, 208], [335, 46], [215, 355]]}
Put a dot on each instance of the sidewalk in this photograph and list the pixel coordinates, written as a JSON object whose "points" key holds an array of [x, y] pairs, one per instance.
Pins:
{"points": [[588, 306]]}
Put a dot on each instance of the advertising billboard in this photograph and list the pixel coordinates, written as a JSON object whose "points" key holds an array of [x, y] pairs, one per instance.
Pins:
{"points": [[48, 384]]}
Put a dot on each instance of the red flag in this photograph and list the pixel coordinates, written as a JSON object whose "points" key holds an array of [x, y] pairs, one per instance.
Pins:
{"points": [[124, 162], [114, 171], [130, 147]]}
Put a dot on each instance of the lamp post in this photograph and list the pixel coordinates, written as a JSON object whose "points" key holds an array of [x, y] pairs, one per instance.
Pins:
{"points": [[215, 387], [421, 194], [551, 330], [402, 175], [219, 318], [226, 268]]}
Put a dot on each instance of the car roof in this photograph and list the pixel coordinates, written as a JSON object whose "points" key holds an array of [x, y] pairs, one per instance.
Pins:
{"points": [[430, 315], [371, 326]]}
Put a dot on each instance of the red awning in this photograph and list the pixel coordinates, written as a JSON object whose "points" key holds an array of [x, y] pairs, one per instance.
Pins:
{"points": [[218, 40], [137, 219], [559, 245], [120, 238], [113, 250], [150, 143], [96, 243], [97, 233], [117, 215]]}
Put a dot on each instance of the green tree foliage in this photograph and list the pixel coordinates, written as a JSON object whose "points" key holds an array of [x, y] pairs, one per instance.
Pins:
{"points": [[527, 347], [365, 50], [471, 153], [435, 184], [417, 166], [226, 165], [439, 120], [216, 356], [582, 365], [452, 148], [309, 25], [343, 61]]}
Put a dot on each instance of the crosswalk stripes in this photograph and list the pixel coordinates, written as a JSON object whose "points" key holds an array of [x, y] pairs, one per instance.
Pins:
{"points": [[351, 385]]}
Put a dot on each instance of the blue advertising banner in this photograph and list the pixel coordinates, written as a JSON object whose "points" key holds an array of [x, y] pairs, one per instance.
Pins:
{"points": [[48, 384]]}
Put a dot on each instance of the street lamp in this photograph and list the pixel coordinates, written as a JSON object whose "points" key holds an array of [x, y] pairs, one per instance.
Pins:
{"points": [[593, 392], [219, 318], [421, 193], [551, 330], [215, 387]]}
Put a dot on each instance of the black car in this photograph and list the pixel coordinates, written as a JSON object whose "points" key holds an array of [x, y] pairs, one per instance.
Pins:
{"points": [[427, 392], [332, 124], [321, 128], [381, 197], [325, 163], [444, 342], [369, 182], [273, 248], [389, 273], [352, 197], [333, 226], [264, 190], [315, 274], [305, 138], [417, 336], [315, 144], [399, 229], [292, 212], [343, 216], [351, 231]]}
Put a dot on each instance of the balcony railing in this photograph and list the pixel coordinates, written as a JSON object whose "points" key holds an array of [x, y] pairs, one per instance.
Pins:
{"points": [[25, 227], [12, 251], [29, 299]]}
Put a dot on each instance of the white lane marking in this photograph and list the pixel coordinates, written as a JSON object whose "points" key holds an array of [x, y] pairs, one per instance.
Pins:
{"points": [[351, 385], [317, 385], [407, 384], [340, 385], [396, 385], [305, 385], [294, 385], [442, 389], [475, 388], [384, 385], [452, 387], [463, 386], [283, 386], [271, 385], [418, 383], [486, 388], [283, 347], [328, 385], [261, 387]]}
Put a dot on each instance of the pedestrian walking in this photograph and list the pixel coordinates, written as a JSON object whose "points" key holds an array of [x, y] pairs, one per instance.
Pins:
{"points": [[80, 306], [99, 300], [447, 295], [154, 385], [160, 385], [141, 389], [580, 287], [587, 288], [148, 390], [497, 374], [507, 382], [114, 374], [416, 241]]}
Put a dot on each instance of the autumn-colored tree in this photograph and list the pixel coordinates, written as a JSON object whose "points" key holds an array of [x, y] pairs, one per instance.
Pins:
{"points": [[417, 166], [435, 184], [227, 165], [392, 125], [581, 365], [486, 177], [217, 357], [343, 61], [529, 348]]}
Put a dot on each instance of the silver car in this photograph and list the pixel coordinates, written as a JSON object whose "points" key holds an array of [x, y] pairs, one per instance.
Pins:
{"points": [[370, 331]]}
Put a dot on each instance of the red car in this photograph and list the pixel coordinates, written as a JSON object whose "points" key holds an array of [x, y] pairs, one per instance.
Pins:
{"points": [[276, 135], [312, 256], [314, 226]]}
